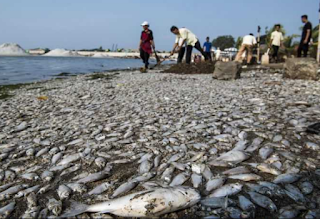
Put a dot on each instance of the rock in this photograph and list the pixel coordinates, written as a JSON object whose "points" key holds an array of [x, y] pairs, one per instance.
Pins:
{"points": [[301, 68], [227, 71]]}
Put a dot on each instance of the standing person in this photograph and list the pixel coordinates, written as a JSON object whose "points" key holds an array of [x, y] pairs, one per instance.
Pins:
{"points": [[207, 46], [187, 37], [276, 41], [247, 45], [146, 44], [305, 37]]}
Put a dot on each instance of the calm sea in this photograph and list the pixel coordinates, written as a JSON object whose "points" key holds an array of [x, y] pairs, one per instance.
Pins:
{"points": [[36, 68]]}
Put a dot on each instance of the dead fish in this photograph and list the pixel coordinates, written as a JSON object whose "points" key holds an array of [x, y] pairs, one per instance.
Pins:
{"points": [[6, 186], [265, 152], [7, 210], [287, 178], [306, 188], [294, 193], [207, 174], [236, 171], [64, 192], [27, 191], [234, 156], [227, 190], [12, 191], [240, 145], [77, 187], [101, 188], [126, 187], [196, 180], [217, 202], [180, 166], [180, 179], [42, 152], [157, 161], [145, 177], [70, 159], [167, 174], [94, 177], [47, 176], [246, 177], [44, 189], [55, 158], [70, 169], [263, 201], [43, 213], [100, 162], [176, 157], [145, 167], [289, 212], [245, 204], [30, 176], [259, 189], [268, 169], [142, 204], [215, 183], [55, 206]]}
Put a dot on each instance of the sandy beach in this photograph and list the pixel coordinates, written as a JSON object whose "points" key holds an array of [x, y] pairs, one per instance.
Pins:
{"points": [[85, 124]]}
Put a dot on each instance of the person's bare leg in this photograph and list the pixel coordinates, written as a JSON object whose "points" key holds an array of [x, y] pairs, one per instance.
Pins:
{"points": [[240, 53], [249, 49]]}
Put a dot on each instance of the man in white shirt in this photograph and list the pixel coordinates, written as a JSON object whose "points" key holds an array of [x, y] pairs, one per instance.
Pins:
{"points": [[187, 37], [248, 42], [276, 41]]}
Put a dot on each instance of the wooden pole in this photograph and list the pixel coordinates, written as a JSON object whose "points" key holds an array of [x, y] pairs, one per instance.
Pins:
{"points": [[318, 55]]}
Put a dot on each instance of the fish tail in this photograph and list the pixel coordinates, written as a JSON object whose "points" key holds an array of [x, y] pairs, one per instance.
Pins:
{"points": [[75, 209]]}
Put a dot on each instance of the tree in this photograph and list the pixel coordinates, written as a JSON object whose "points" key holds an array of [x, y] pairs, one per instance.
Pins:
{"points": [[239, 42], [223, 42]]}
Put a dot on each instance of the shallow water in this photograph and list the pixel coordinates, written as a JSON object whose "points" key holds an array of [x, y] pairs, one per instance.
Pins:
{"points": [[35, 68]]}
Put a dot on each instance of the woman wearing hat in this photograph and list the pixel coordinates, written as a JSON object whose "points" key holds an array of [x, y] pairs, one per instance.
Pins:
{"points": [[146, 44]]}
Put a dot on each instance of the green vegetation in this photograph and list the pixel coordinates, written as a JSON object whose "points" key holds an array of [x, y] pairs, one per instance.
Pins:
{"points": [[223, 42], [99, 76], [5, 90]]}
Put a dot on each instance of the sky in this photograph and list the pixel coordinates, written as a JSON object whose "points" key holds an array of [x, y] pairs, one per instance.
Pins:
{"points": [[85, 24]]}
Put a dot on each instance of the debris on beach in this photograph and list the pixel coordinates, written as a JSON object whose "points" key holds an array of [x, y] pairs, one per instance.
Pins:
{"points": [[182, 146], [194, 68]]}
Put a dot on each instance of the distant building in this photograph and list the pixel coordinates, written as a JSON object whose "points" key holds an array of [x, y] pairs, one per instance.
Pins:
{"points": [[36, 51]]}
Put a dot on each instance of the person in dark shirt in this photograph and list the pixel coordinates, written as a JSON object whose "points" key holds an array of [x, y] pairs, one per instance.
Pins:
{"points": [[305, 37], [207, 46], [146, 44]]}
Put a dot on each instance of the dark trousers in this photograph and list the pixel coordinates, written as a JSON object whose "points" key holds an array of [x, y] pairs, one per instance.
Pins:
{"points": [[303, 48], [181, 54], [209, 55], [189, 52], [275, 51], [145, 57]]}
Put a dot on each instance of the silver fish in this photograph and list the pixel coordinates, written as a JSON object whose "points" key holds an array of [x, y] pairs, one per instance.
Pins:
{"points": [[180, 179], [265, 152], [196, 180], [227, 190], [100, 188], [294, 193], [237, 171], [263, 201], [246, 177], [126, 187], [306, 188], [64, 192], [55, 206], [141, 204], [215, 183], [287, 178], [7, 210], [47, 176], [217, 202], [77, 187]]}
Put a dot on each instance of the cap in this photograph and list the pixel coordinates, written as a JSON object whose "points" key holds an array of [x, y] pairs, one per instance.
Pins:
{"points": [[146, 23]]}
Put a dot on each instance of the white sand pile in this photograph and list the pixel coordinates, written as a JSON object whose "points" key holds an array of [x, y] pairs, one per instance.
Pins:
{"points": [[99, 55], [12, 49], [61, 52]]}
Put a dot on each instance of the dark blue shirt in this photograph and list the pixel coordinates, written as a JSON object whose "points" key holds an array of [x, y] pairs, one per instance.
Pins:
{"points": [[207, 46]]}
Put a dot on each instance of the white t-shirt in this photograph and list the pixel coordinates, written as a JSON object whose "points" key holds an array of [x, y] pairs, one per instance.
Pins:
{"points": [[249, 40], [276, 37], [187, 35]]}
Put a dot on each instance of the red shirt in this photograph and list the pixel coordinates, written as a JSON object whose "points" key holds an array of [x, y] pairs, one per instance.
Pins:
{"points": [[146, 37]]}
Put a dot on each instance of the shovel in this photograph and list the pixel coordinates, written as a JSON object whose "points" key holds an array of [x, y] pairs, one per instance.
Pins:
{"points": [[156, 55], [159, 62]]}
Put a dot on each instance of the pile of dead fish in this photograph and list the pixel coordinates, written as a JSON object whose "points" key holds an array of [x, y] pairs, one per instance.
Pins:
{"points": [[149, 145]]}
